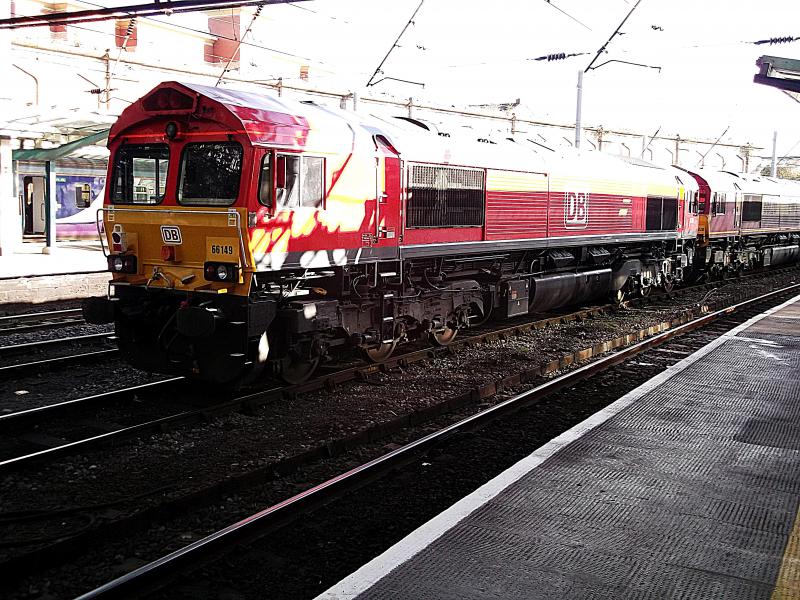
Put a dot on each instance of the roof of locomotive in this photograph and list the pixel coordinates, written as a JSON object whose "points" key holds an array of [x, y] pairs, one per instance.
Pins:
{"points": [[274, 121], [727, 181], [331, 130]]}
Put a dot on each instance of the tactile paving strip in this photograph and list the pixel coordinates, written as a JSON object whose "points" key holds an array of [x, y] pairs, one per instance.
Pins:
{"points": [[691, 492]]}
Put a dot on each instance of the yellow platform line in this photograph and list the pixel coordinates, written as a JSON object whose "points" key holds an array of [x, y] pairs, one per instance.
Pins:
{"points": [[787, 586]]}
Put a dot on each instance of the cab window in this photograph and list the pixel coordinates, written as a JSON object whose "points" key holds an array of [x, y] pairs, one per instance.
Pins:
{"points": [[299, 180], [140, 174], [210, 174], [265, 180]]}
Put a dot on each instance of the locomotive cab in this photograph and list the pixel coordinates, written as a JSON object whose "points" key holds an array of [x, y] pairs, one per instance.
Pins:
{"points": [[176, 238]]}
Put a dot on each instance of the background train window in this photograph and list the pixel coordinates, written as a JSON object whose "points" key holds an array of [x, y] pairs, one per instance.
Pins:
{"points": [[661, 214], [692, 202], [299, 181], [83, 195], [210, 173], [720, 203], [445, 197], [140, 174], [751, 208]]}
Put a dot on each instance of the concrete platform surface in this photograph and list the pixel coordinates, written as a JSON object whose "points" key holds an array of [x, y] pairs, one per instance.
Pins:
{"points": [[687, 487], [67, 257], [73, 270]]}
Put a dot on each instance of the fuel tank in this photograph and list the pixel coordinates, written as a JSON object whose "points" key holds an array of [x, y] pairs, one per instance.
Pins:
{"points": [[563, 289]]}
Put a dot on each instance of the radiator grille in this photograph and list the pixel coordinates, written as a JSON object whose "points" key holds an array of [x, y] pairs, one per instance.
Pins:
{"points": [[445, 197]]}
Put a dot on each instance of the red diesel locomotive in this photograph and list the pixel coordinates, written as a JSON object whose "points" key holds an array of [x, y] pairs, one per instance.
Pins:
{"points": [[246, 231]]}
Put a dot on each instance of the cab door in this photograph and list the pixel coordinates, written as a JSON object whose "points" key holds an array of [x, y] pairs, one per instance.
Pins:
{"points": [[386, 227]]}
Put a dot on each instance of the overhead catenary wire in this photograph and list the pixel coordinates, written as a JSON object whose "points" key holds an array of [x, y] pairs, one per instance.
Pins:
{"points": [[128, 11], [200, 31], [613, 35], [235, 53], [777, 40], [652, 137], [565, 13], [394, 45], [122, 48], [702, 158], [558, 56]]}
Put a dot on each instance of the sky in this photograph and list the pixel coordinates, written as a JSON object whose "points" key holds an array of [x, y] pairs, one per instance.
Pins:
{"points": [[469, 52], [473, 52]]}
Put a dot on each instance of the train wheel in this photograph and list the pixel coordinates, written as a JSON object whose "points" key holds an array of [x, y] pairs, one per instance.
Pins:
{"points": [[617, 297], [300, 363], [644, 291], [669, 285], [442, 337], [295, 370], [379, 353]]}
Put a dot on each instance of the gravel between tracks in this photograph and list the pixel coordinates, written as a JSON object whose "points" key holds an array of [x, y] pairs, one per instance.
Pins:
{"points": [[75, 381], [56, 333], [181, 461]]}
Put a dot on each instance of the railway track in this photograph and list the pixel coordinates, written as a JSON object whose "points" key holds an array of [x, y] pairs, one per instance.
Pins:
{"points": [[22, 323], [38, 442], [30, 426], [690, 336], [24, 366], [315, 453]]}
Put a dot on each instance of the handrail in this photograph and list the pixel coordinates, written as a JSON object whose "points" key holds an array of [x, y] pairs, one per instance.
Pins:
{"points": [[181, 211]]}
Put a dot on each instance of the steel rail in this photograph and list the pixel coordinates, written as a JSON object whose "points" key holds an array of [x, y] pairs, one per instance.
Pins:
{"points": [[25, 317], [33, 562], [79, 339], [267, 395], [25, 417], [116, 435], [255, 526], [34, 321], [57, 361]]}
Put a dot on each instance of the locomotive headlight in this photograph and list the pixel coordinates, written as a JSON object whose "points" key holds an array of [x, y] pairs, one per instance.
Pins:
{"points": [[226, 272], [122, 263], [171, 130]]}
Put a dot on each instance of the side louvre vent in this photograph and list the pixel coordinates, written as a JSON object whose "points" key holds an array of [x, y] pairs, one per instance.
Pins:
{"points": [[445, 197]]}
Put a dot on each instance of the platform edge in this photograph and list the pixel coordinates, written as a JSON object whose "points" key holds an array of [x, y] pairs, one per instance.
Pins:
{"points": [[404, 550]]}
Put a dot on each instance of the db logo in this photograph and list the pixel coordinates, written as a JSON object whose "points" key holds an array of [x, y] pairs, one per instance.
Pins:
{"points": [[171, 234], [576, 210]]}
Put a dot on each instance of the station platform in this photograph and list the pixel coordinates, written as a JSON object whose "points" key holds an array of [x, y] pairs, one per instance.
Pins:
{"points": [[687, 487], [74, 269], [28, 259]]}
